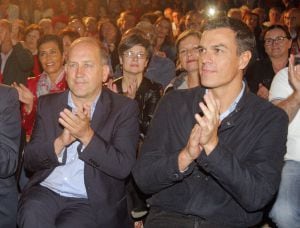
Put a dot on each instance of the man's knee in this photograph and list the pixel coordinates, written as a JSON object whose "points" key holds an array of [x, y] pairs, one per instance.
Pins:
{"points": [[284, 215]]}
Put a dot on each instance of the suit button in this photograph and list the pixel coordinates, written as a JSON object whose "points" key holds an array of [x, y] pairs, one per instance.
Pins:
{"points": [[175, 175]]}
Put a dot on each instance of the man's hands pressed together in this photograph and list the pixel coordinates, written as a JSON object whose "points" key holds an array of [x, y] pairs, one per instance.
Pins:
{"points": [[204, 135]]}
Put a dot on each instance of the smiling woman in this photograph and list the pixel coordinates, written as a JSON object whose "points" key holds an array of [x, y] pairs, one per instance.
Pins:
{"points": [[277, 44], [52, 79], [188, 49]]}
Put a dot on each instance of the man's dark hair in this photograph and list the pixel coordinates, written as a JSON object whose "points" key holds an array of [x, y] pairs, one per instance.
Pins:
{"points": [[244, 37], [51, 38], [131, 39]]}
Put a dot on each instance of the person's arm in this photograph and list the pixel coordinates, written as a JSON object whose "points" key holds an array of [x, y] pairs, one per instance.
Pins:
{"points": [[10, 132], [248, 163], [115, 154], [157, 166], [291, 104], [40, 152]]}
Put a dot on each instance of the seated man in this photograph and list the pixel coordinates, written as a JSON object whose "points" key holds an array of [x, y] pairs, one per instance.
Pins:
{"points": [[285, 93], [10, 131], [216, 161], [82, 149]]}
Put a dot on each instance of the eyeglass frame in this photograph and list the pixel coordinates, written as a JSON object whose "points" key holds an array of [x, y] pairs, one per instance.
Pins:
{"points": [[133, 55], [278, 39]]}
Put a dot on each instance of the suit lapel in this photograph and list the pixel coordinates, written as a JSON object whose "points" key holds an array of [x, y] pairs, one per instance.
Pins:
{"points": [[102, 110], [63, 102]]}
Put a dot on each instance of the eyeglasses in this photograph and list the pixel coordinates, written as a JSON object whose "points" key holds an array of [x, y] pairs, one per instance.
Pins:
{"points": [[278, 39], [193, 51], [133, 55]]}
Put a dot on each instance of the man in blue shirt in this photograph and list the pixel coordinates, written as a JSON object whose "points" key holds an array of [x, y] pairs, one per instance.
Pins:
{"points": [[82, 149]]}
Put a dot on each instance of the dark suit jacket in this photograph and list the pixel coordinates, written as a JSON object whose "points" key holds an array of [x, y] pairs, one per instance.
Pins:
{"points": [[108, 158], [10, 130], [18, 66]]}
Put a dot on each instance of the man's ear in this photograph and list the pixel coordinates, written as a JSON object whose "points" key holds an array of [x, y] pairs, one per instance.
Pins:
{"points": [[105, 73], [244, 59]]}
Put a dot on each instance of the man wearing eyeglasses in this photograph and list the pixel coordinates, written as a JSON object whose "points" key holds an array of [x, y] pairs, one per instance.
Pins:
{"points": [[260, 73], [215, 161], [82, 150]]}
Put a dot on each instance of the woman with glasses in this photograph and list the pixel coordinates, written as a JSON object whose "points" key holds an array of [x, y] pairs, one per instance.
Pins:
{"points": [[187, 45], [134, 53], [259, 75], [135, 50]]}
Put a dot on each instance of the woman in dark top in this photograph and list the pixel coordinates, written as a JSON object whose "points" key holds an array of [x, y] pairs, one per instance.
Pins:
{"points": [[134, 53], [259, 75]]}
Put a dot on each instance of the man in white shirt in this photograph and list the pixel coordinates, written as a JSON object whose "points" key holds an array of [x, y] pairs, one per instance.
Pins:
{"points": [[285, 93]]}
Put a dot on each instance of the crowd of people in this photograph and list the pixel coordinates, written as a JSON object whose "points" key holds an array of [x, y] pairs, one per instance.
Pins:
{"points": [[132, 113]]}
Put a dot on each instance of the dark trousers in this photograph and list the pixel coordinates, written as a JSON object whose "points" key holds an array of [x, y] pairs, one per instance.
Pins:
{"points": [[163, 219], [40, 207], [8, 209]]}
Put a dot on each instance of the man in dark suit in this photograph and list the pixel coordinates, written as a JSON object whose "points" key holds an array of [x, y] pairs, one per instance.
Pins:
{"points": [[16, 61], [82, 149], [10, 130]]}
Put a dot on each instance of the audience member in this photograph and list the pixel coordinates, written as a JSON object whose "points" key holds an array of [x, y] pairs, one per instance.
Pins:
{"points": [[68, 36], [90, 24], [127, 20], [193, 20], [16, 61], [274, 17], [9, 11], [78, 26], [160, 69], [285, 93], [82, 149], [10, 132], [296, 43], [292, 20], [52, 79], [46, 25], [165, 39], [259, 75], [213, 162], [32, 33], [235, 13], [188, 51], [110, 36], [41, 10], [135, 52]]}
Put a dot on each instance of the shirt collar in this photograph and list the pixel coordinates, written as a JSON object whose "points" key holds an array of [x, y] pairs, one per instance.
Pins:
{"points": [[72, 104], [234, 103]]}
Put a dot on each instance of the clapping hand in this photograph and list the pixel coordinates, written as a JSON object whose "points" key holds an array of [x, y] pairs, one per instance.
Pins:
{"points": [[25, 96]]}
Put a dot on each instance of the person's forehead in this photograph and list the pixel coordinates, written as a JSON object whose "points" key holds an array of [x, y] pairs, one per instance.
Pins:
{"points": [[191, 39], [219, 33], [84, 48], [275, 32], [48, 45]]}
